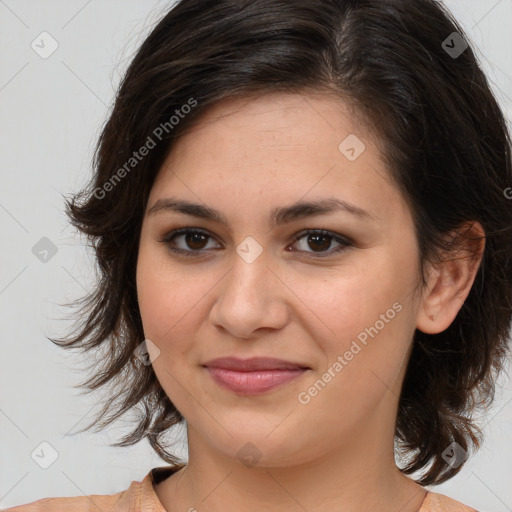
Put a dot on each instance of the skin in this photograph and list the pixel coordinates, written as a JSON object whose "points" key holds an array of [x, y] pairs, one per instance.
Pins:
{"points": [[244, 158]]}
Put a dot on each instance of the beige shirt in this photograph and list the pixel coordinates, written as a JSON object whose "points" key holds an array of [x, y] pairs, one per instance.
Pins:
{"points": [[141, 497]]}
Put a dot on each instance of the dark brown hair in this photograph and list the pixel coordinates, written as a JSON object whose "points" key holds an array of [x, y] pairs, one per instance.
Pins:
{"points": [[445, 141]]}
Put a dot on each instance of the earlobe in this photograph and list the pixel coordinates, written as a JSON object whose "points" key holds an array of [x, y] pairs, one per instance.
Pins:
{"points": [[450, 281]]}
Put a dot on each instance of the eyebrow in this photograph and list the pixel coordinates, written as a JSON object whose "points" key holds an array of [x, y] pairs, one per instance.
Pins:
{"points": [[280, 215]]}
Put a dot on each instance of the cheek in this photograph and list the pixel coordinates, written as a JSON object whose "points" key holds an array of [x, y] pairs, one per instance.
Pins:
{"points": [[169, 309], [174, 302], [364, 316], [165, 294], [364, 358], [353, 298], [167, 306]]}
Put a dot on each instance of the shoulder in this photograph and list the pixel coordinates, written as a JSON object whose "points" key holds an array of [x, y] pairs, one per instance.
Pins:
{"points": [[435, 502], [139, 496], [75, 504], [91, 503]]}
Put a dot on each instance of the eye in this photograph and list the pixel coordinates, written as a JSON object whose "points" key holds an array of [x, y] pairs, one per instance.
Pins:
{"points": [[195, 240], [322, 239]]}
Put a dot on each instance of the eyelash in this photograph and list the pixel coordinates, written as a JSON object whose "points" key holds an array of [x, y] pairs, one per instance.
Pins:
{"points": [[345, 242]]}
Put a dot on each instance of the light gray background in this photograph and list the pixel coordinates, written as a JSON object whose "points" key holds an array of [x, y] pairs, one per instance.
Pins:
{"points": [[51, 112]]}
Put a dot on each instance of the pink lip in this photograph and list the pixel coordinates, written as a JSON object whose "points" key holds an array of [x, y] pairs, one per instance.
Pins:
{"points": [[253, 376], [253, 364], [255, 382]]}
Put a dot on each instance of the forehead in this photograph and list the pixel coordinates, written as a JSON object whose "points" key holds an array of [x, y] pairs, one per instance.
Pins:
{"points": [[272, 116], [278, 148]]}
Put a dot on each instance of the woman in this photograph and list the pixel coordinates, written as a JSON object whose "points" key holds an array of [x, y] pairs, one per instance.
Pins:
{"points": [[301, 218]]}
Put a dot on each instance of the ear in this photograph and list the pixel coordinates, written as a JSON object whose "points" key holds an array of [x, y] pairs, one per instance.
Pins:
{"points": [[450, 281]]}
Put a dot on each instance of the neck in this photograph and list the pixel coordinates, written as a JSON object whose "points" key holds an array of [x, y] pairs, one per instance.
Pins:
{"points": [[354, 477]]}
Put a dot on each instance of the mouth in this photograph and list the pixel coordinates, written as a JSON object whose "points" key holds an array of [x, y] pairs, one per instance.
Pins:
{"points": [[253, 376], [254, 364]]}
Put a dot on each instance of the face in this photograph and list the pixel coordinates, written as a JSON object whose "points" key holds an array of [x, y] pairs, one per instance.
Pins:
{"points": [[249, 283]]}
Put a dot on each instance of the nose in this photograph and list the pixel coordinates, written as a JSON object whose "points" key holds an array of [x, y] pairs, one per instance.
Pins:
{"points": [[250, 298]]}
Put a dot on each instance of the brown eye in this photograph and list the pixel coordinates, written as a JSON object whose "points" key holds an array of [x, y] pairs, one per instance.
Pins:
{"points": [[320, 241], [193, 241]]}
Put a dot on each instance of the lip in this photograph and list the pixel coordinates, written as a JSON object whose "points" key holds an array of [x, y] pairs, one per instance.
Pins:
{"points": [[253, 364], [253, 376], [253, 383]]}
